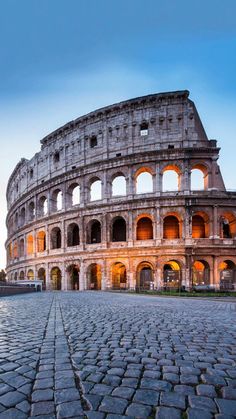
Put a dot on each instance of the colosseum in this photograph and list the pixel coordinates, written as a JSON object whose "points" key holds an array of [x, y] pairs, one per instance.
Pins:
{"points": [[127, 197]]}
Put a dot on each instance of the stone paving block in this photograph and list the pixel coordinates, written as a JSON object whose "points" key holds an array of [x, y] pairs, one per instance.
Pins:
{"points": [[95, 415], [123, 392], [101, 389], [43, 383], [227, 407], [64, 383], [66, 395], [113, 405], [13, 414], [11, 398], [206, 390], [5, 388], [201, 402], [148, 397], [172, 399], [23, 406], [155, 384], [42, 395], [193, 413], [138, 411], [189, 379], [69, 410], [228, 393], [168, 413], [183, 389], [42, 408]]}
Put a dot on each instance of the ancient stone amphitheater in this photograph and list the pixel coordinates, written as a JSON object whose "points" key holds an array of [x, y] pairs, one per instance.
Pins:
{"points": [[129, 196]]}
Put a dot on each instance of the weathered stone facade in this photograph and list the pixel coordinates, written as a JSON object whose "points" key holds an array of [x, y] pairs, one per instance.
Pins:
{"points": [[69, 224]]}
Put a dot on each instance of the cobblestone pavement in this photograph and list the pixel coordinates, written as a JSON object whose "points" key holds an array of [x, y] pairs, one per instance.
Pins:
{"points": [[102, 355]]}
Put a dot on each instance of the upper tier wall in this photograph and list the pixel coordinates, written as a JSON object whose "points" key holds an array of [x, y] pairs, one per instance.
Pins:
{"points": [[113, 131]]}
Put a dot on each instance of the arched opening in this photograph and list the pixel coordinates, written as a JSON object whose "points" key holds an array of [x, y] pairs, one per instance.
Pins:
{"points": [[198, 227], [41, 241], [43, 206], [22, 216], [144, 182], [199, 178], [94, 232], [16, 221], [22, 248], [30, 244], [56, 238], [119, 278], [171, 179], [56, 278], [42, 277], [171, 227], [119, 186], [94, 276], [74, 194], [144, 229], [30, 274], [227, 270], [145, 277], [15, 250], [31, 211], [200, 274], [96, 190], [227, 226], [73, 277], [172, 275], [22, 275], [119, 230], [56, 200], [15, 276], [73, 235]]}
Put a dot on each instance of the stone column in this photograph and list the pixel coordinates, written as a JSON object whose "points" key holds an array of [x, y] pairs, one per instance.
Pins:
{"points": [[82, 276], [63, 277], [216, 278], [216, 226], [47, 277]]}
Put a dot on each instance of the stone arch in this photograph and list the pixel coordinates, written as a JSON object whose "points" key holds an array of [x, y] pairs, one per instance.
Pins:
{"points": [[144, 180], [200, 225], [16, 222], [118, 276], [43, 206], [30, 274], [41, 241], [31, 211], [22, 216], [199, 176], [56, 200], [144, 228], [94, 232], [200, 273], [227, 225], [118, 229], [143, 129], [94, 276], [56, 238], [73, 272], [74, 194], [95, 189], [22, 275], [15, 276], [145, 276], [55, 278], [227, 275], [15, 249], [118, 184], [172, 226], [22, 248], [171, 178], [172, 274], [30, 244], [73, 235], [42, 277]]}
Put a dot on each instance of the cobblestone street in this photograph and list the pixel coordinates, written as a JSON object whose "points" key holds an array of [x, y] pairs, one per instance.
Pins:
{"points": [[102, 355]]}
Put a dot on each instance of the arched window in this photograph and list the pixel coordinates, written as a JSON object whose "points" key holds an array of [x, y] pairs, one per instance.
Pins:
{"points": [[96, 190], [144, 182], [201, 273], [56, 238], [144, 229], [57, 200], [41, 241], [171, 179], [22, 248], [119, 278], [172, 274], [22, 275], [43, 206], [30, 244], [199, 178], [171, 227], [22, 216], [94, 232], [227, 225], [198, 227], [119, 230], [31, 211], [73, 235], [76, 195], [119, 186]]}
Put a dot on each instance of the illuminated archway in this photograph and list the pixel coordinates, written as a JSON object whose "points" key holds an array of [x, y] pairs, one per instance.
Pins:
{"points": [[171, 228], [56, 278], [172, 274], [119, 279], [94, 277], [144, 229], [41, 241], [145, 276], [200, 273], [73, 272], [30, 274], [42, 277], [30, 244], [227, 225], [227, 270]]}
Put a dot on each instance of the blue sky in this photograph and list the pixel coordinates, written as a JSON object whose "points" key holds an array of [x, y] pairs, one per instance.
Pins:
{"points": [[62, 58]]}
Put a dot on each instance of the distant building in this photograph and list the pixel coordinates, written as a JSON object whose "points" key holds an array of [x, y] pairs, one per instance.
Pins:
{"points": [[94, 208]]}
